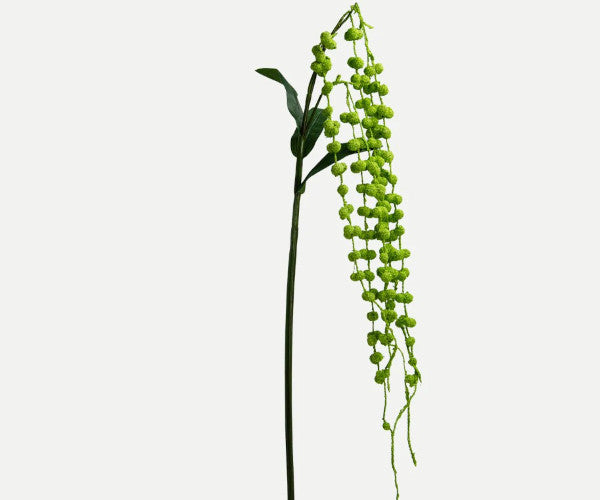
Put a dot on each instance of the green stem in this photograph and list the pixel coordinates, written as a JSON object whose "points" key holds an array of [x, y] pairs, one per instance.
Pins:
{"points": [[289, 324]]}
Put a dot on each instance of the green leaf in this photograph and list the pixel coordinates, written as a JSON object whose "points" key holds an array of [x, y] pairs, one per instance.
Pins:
{"points": [[315, 129], [326, 161], [291, 95]]}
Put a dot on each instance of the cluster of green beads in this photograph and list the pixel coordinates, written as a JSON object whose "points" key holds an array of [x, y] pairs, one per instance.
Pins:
{"points": [[377, 256]]}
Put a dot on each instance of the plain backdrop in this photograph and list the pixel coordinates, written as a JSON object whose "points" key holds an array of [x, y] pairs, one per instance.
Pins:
{"points": [[145, 201]]}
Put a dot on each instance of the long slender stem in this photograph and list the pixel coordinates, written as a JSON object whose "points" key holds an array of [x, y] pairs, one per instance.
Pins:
{"points": [[289, 325]]}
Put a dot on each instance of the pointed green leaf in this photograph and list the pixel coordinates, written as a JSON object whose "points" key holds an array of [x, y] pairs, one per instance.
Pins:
{"points": [[326, 161], [315, 129], [291, 95]]}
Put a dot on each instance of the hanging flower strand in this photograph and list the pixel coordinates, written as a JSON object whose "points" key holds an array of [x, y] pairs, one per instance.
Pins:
{"points": [[384, 290]]}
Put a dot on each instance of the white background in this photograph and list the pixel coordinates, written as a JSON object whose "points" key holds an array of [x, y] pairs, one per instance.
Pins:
{"points": [[145, 197]]}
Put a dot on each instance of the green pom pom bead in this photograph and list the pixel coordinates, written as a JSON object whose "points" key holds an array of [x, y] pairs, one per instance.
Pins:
{"points": [[370, 276], [369, 122], [381, 131], [376, 357], [385, 204], [353, 34], [405, 321], [387, 274], [372, 315], [354, 144], [386, 294], [372, 87], [331, 128], [356, 81], [358, 166], [345, 211], [381, 375], [327, 40], [343, 189], [372, 338], [403, 253], [316, 50], [380, 213], [384, 111], [382, 181], [317, 67], [351, 231], [386, 339], [351, 117], [394, 198], [373, 167], [354, 255], [387, 156], [388, 316], [368, 296], [357, 276], [396, 233], [334, 147], [367, 234], [338, 168], [371, 110], [404, 298], [369, 254], [355, 62], [363, 103], [373, 143]]}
